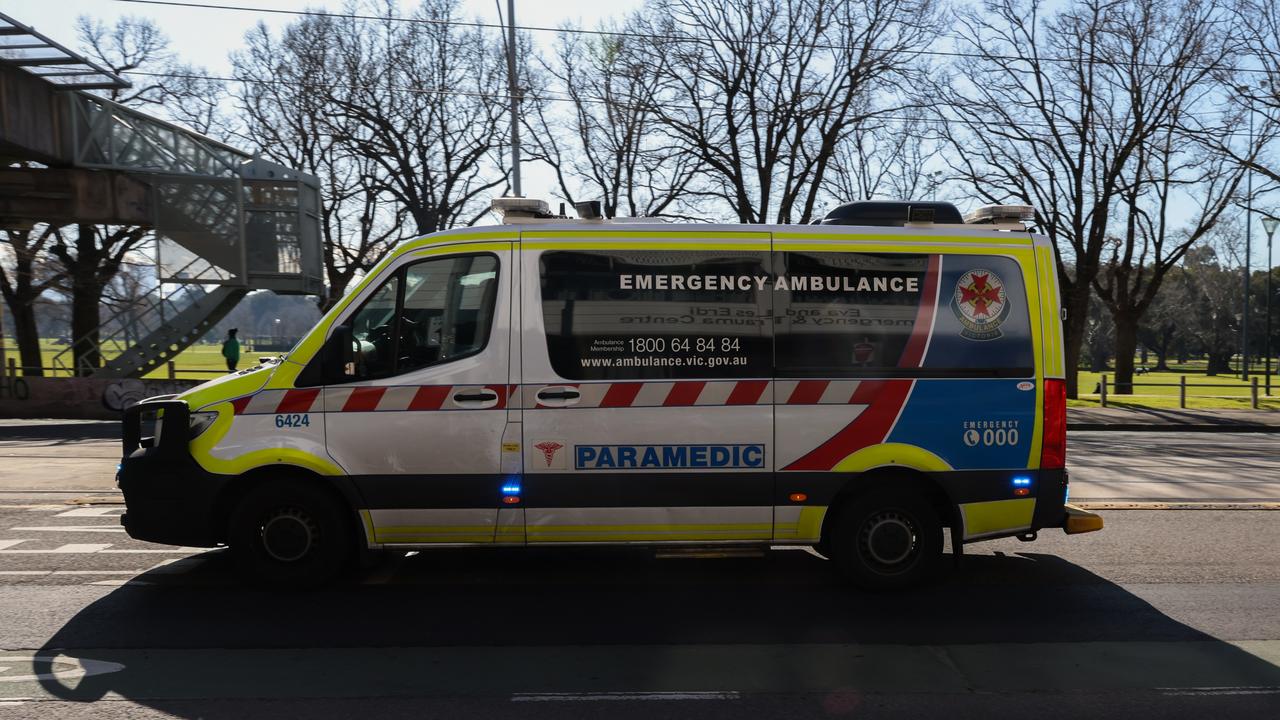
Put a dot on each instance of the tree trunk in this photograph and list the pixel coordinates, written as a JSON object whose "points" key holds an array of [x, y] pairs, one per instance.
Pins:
{"points": [[85, 299], [1126, 346], [27, 335]]}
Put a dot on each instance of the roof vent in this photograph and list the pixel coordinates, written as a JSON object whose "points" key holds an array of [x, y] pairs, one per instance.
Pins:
{"points": [[893, 213]]}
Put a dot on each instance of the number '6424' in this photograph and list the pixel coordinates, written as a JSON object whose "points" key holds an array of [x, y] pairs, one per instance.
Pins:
{"points": [[293, 421]]}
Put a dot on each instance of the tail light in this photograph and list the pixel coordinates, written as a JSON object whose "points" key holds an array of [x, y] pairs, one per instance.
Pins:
{"points": [[1053, 449]]}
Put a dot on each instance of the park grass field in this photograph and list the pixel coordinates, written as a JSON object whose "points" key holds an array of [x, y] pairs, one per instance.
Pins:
{"points": [[203, 361], [1235, 396]]}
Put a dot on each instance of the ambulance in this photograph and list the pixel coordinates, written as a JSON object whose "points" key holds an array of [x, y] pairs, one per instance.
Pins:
{"points": [[871, 386]]}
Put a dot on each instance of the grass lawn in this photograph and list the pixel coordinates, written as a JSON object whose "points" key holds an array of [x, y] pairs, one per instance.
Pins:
{"points": [[202, 361], [1233, 397]]}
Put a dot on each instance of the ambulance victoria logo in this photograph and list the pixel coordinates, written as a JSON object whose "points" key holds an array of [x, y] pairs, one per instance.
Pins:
{"points": [[549, 449], [980, 304]]}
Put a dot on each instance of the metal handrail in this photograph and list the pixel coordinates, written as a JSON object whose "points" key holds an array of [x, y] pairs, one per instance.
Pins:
{"points": [[1182, 392]]}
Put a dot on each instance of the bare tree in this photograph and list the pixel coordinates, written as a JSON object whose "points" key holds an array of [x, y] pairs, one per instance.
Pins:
{"points": [[762, 91], [1052, 112], [594, 122], [281, 101], [417, 101], [886, 158], [1164, 58], [1256, 91], [137, 49], [25, 275]]}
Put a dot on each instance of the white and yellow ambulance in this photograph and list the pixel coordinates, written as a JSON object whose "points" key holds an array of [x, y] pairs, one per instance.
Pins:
{"points": [[858, 385]]}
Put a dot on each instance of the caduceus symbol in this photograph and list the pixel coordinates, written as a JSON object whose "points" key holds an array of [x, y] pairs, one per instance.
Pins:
{"points": [[549, 450]]}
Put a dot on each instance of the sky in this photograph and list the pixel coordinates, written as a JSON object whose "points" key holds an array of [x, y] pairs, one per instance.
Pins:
{"points": [[205, 36]]}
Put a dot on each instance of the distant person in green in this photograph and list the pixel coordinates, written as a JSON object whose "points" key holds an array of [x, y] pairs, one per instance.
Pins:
{"points": [[231, 350]]}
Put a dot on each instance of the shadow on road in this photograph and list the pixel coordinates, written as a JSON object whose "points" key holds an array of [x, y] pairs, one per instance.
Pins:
{"points": [[480, 609], [60, 430]]}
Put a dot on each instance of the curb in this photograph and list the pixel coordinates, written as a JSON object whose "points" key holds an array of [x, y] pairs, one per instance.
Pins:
{"points": [[1168, 427]]}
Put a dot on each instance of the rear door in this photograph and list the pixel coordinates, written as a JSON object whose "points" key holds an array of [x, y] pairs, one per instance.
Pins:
{"points": [[647, 397]]}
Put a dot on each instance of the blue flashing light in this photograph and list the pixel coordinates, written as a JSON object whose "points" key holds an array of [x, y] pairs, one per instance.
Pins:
{"points": [[1022, 481], [1066, 495], [511, 489]]}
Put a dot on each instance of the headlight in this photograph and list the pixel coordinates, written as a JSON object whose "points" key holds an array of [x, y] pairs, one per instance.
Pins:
{"points": [[200, 421]]}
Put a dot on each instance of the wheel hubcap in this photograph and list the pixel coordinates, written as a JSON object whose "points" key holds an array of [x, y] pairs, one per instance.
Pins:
{"points": [[889, 539], [288, 535]]}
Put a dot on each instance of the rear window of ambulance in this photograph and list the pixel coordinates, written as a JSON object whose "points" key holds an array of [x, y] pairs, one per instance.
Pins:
{"points": [[901, 315]]}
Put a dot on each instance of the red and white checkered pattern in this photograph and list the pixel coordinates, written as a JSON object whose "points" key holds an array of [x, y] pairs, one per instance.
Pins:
{"points": [[684, 393]]}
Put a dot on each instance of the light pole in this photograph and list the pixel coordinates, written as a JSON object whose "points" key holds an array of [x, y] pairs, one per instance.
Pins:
{"points": [[1248, 248], [1269, 223]]}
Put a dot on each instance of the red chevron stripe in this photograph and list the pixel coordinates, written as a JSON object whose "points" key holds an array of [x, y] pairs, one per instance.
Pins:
{"points": [[430, 397], [913, 354], [364, 399], [297, 401], [684, 393], [869, 428], [747, 392], [239, 404], [621, 395], [808, 392]]}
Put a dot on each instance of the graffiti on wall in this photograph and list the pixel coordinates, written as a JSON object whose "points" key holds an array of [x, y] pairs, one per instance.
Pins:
{"points": [[79, 398]]}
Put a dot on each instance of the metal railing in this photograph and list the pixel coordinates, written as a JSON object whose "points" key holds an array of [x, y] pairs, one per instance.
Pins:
{"points": [[13, 369], [1182, 386]]}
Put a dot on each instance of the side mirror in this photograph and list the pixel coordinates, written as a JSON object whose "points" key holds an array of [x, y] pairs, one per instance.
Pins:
{"points": [[339, 356], [334, 364]]}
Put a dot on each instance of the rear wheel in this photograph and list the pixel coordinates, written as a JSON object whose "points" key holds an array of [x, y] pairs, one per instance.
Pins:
{"points": [[888, 539], [290, 533]]}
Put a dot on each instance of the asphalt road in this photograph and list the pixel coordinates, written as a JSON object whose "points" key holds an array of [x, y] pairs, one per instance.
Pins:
{"points": [[1166, 613], [1163, 614]]}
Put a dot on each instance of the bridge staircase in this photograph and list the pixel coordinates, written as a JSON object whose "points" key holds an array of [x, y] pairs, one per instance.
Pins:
{"points": [[225, 222]]}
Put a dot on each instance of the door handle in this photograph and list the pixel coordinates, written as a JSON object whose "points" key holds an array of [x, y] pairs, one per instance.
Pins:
{"points": [[566, 394], [482, 396]]}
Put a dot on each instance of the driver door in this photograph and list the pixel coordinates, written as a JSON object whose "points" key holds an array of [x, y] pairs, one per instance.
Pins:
{"points": [[420, 427]]}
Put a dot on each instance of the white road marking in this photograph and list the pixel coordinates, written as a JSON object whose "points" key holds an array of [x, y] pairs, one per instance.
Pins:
{"points": [[9, 543], [64, 667], [71, 572], [70, 528], [96, 511], [1210, 691], [626, 696], [78, 548]]}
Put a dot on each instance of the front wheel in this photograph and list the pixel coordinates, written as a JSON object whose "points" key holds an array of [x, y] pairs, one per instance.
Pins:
{"points": [[290, 533], [888, 539]]}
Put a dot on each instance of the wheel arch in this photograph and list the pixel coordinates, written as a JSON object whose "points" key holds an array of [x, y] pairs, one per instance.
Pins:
{"points": [[339, 487], [897, 477]]}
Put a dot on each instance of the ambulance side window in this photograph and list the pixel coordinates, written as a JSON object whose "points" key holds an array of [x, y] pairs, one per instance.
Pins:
{"points": [[427, 313], [657, 314]]}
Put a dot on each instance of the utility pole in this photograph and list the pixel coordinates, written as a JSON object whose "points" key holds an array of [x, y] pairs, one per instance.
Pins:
{"points": [[514, 90], [1269, 224], [1248, 248]]}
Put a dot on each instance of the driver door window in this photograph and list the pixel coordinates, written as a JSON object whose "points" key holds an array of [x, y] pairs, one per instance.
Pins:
{"points": [[427, 313]]}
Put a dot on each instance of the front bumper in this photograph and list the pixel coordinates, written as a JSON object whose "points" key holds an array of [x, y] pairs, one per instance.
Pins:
{"points": [[169, 498]]}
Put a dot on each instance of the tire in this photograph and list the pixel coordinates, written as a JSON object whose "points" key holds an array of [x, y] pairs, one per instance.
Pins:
{"points": [[888, 539], [291, 534]]}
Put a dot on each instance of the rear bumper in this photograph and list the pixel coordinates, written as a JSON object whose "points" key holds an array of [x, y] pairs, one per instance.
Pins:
{"points": [[1080, 521]]}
